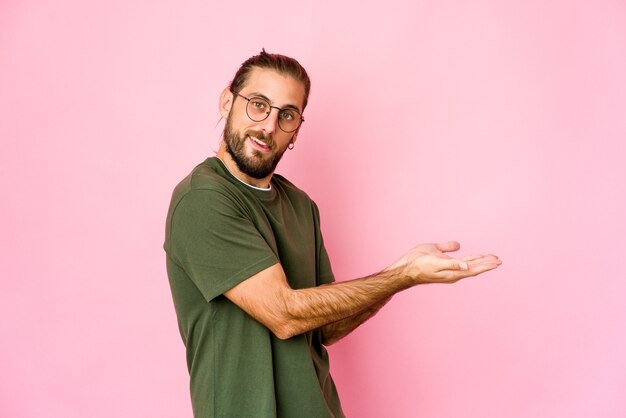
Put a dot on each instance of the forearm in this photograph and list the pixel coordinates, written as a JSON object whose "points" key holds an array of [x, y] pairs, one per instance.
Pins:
{"points": [[335, 331], [344, 304], [268, 298]]}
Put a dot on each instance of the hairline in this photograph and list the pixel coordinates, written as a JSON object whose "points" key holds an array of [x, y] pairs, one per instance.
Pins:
{"points": [[277, 71]]}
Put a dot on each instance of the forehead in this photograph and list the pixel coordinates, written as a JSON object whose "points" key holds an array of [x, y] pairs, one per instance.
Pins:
{"points": [[281, 89]]}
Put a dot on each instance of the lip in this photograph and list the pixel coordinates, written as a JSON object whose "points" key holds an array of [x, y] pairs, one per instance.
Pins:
{"points": [[258, 146]]}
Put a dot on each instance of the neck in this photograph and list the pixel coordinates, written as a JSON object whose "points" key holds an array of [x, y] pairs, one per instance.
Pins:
{"points": [[230, 164]]}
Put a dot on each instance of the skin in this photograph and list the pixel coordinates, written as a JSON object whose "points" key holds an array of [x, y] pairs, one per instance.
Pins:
{"points": [[338, 308], [283, 91]]}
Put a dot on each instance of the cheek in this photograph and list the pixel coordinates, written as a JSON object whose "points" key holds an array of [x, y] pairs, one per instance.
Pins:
{"points": [[283, 140], [239, 125]]}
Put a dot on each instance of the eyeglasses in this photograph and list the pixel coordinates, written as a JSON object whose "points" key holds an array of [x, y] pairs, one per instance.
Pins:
{"points": [[258, 109]]}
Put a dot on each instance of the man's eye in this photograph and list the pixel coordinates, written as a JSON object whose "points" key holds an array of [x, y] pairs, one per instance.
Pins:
{"points": [[287, 115], [258, 105]]}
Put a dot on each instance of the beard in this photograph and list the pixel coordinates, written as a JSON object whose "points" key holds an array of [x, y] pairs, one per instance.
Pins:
{"points": [[258, 165]]}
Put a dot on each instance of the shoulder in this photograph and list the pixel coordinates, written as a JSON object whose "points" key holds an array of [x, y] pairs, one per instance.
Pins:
{"points": [[205, 176], [287, 187], [298, 197], [203, 190], [205, 179]]}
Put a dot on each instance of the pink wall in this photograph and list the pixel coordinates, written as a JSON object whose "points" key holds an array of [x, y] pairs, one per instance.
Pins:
{"points": [[498, 124]]}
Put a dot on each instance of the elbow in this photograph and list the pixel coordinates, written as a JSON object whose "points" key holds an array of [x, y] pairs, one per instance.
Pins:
{"points": [[285, 323], [283, 335], [284, 330]]}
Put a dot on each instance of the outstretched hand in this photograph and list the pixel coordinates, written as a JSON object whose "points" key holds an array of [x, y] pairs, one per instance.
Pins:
{"points": [[429, 263]]}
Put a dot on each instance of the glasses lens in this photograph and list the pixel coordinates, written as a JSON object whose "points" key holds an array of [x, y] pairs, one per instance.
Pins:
{"points": [[289, 120], [258, 109]]}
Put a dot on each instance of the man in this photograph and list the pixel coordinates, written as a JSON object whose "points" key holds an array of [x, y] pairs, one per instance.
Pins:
{"points": [[251, 281]]}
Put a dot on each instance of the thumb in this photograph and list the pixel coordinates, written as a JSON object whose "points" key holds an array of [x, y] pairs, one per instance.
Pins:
{"points": [[449, 246]]}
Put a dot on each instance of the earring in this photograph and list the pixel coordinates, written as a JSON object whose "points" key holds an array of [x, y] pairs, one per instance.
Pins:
{"points": [[291, 145]]}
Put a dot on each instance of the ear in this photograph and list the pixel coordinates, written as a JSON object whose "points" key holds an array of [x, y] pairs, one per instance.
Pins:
{"points": [[226, 102]]}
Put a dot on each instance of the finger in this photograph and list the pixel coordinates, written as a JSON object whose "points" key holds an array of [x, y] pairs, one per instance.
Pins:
{"points": [[453, 275], [472, 257], [483, 267], [490, 258], [449, 246], [452, 264]]}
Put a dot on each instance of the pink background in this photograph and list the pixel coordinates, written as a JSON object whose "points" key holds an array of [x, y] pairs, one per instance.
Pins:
{"points": [[498, 124]]}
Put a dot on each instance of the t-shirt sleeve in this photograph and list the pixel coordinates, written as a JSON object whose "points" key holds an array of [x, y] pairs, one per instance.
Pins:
{"points": [[215, 242]]}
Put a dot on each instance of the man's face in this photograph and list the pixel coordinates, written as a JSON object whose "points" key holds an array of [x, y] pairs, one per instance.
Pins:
{"points": [[257, 147]]}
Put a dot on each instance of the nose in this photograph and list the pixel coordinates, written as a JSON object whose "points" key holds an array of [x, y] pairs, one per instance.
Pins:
{"points": [[270, 123]]}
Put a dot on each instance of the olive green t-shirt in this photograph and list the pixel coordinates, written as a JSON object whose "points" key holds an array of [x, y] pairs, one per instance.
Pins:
{"points": [[219, 233]]}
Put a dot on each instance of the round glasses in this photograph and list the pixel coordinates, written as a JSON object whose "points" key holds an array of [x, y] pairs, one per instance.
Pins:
{"points": [[258, 109]]}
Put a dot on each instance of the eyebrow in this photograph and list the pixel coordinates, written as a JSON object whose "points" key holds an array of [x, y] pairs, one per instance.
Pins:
{"points": [[264, 97]]}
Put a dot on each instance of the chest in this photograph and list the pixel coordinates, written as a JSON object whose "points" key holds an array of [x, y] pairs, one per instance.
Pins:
{"points": [[291, 233]]}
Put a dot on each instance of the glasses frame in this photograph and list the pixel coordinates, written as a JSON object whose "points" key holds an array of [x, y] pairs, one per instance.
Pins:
{"points": [[267, 114]]}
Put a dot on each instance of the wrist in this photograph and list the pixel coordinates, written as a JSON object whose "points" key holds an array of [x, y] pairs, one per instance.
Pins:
{"points": [[405, 276]]}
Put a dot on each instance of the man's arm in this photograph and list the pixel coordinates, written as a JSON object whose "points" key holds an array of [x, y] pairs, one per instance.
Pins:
{"points": [[287, 312], [333, 332]]}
